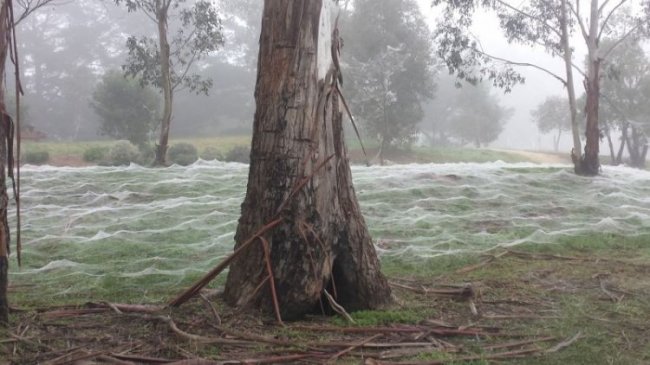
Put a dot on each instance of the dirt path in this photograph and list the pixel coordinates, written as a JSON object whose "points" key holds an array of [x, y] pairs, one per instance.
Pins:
{"points": [[538, 157]]}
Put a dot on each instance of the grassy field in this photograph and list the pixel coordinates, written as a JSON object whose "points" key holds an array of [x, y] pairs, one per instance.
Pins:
{"points": [[584, 300], [68, 152]]}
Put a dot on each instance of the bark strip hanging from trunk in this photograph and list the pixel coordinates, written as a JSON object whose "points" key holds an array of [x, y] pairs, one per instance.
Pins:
{"points": [[322, 243]]}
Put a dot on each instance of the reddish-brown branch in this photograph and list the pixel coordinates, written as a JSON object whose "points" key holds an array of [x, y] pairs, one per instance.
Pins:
{"points": [[269, 270], [200, 284]]}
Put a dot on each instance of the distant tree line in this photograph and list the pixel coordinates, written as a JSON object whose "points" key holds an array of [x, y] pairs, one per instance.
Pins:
{"points": [[74, 55]]}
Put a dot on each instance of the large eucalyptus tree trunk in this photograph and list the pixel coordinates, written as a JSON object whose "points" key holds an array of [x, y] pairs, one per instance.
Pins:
{"points": [[300, 173], [4, 228]]}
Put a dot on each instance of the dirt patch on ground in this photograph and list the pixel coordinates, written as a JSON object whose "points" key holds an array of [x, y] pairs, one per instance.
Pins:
{"points": [[68, 160], [539, 157], [535, 308]]}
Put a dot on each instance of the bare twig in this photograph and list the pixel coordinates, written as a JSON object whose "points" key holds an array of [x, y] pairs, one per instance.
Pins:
{"points": [[217, 318], [354, 346], [269, 270], [337, 307], [566, 343], [518, 343]]}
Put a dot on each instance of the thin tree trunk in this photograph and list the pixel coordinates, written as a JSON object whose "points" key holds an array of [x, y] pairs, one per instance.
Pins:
{"points": [[634, 149], [570, 87], [162, 7], [608, 134], [4, 227], [624, 141], [322, 242], [589, 164], [556, 140]]}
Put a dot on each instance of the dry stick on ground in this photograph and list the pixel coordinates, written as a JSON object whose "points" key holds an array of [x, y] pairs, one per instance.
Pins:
{"points": [[614, 298], [471, 332], [485, 262], [462, 292], [141, 359], [566, 343], [217, 318], [351, 348], [497, 356], [518, 343]]}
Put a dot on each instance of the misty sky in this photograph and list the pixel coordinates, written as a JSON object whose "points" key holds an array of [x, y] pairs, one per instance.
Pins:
{"points": [[521, 132]]}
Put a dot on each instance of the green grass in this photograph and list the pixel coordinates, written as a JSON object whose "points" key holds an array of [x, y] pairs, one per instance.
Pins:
{"points": [[227, 143], [454, 154]]}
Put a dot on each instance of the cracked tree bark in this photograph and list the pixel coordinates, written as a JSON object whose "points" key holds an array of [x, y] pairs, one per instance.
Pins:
{"points": [[323, 242]]}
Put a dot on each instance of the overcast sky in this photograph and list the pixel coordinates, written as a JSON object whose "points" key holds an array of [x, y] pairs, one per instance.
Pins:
{"points": [[520, 131]]}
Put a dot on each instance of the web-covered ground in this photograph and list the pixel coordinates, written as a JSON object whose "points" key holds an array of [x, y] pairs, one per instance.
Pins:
{"points": [[89, 232]]}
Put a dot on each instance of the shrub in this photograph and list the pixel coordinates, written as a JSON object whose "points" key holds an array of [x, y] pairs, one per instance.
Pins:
{"points": [[211, 153], [239, 154], [123, 153], [126, 110], [183, 154], [95, 154], [146, 155], [36, 157]]}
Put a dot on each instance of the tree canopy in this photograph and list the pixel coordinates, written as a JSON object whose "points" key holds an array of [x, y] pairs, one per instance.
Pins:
{"points": [[551, 115], [127, 110], [390, 67]]}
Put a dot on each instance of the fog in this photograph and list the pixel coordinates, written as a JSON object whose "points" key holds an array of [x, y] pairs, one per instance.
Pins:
{"points": [[66, 49]]}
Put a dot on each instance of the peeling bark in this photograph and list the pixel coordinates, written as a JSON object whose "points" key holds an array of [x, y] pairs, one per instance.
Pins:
{"points": [[323, 242]]}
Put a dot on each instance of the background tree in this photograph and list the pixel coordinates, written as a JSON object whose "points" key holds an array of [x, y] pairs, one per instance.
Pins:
{"points": [[63, 47], [551, 116], [624, 106], [542, 22], [390, 68], [127, 110], [476, 116], [299, 185], [166, 63]]}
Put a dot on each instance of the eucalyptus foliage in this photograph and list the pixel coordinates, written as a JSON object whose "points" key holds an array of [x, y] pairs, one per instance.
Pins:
{"points": [[126, 110], [390, 68], [551, 116], [198, 34]]}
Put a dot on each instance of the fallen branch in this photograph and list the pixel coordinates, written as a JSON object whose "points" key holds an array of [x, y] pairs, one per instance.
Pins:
{"points": [[497, 356], [72, 357], [518, 343], [205, 280], [462, 292], [354, 346], [141, 359]]}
